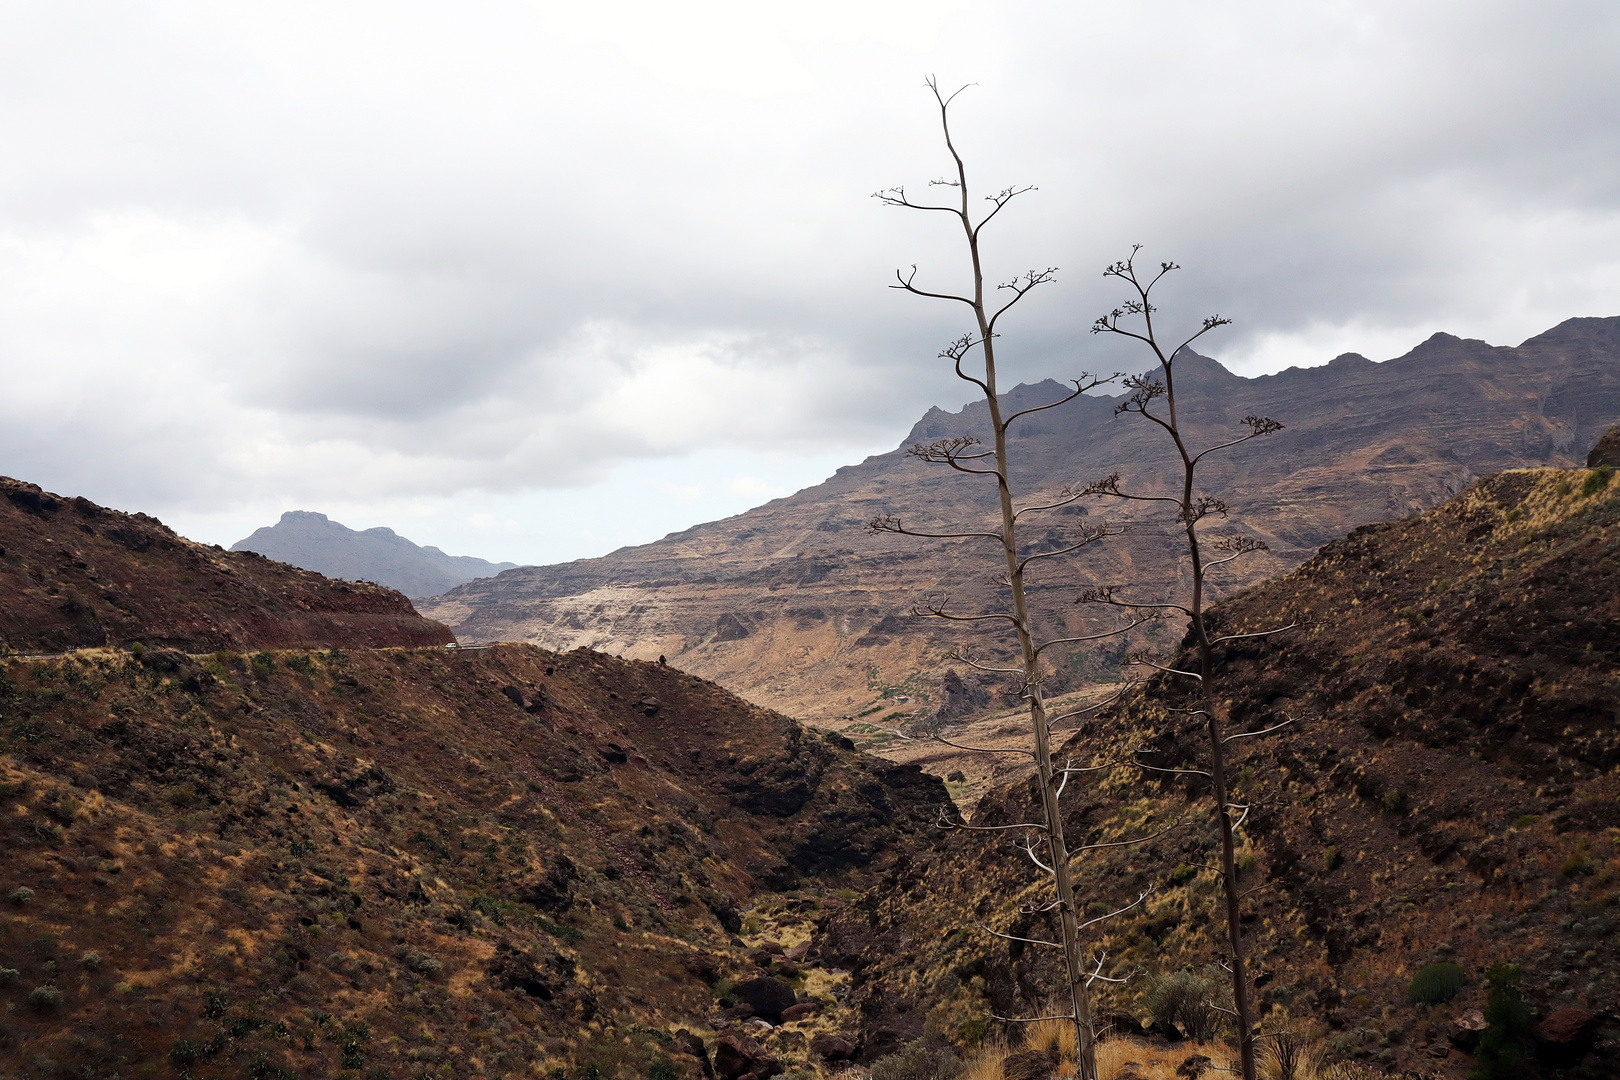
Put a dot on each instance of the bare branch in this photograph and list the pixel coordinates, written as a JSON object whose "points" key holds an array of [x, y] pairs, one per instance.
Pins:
{"points": [[1256, 634], [1262, 731], [1025, 940], [1161, 769], [1141, 658], [1102, 918], [1123, 843]]}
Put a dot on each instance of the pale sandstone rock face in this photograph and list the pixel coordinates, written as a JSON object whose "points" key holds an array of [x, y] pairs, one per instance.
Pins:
{"points": [[797, 606]]}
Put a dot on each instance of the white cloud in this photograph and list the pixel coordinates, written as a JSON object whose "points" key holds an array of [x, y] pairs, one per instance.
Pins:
{"points": [[428, 264]]}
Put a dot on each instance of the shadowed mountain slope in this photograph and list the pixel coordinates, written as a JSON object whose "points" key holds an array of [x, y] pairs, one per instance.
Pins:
{"points": [[77, 575], [315, 542], [1448, 793], [412, 863], [795, 605]]}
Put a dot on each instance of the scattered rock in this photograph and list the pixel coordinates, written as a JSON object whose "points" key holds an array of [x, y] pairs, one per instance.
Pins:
{"points": [[736, 1056], [772, 947], [799, 951], [687, 1043], [832, 1047], [702, 965], [514, 695], [1465, 1029], [1195, 1066], [520, 972], [766, 996], [648, 706], [1028, 1065], [1130, 1070], [801, 1011]]}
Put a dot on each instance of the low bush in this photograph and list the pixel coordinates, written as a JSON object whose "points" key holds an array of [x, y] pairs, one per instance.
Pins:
{"points": [[1189, 1001], [1435, 984], [1597, 480], [45, 997], [917, 1060], [21, 894]]}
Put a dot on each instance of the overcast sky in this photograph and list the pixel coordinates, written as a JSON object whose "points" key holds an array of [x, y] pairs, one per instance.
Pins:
{"points": [[533, 280]]}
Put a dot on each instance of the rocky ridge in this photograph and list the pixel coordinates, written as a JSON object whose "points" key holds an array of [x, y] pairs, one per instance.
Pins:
{"points": [[78, 575], [796, 606]]}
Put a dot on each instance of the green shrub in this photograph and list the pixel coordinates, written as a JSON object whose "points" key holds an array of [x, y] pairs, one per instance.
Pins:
{"points": [[45, 997], [21, 894], [1435, 984], [1579, 863], [8, 976], [1189, 1001], [137, 650], [1394, 801], [1524, 821], [90, 960], [1597, 480], [917, 1061], [661, 1070], [1508, 1025], [1182, 874], [1331, 859], [263, 665]]}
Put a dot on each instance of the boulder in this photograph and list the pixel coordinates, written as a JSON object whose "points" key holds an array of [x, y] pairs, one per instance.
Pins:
{"points": [[799, 951], [766, 996], [832, 1047], [1566, 1036], [736, 1055], [802, 1011], [1464, 1030]]}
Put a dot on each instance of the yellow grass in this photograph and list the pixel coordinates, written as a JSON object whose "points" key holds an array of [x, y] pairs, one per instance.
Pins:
{"points": [[1155, 1062]]}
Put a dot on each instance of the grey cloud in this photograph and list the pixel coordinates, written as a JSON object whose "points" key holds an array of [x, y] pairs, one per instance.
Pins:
{"points": [[314, 252]]}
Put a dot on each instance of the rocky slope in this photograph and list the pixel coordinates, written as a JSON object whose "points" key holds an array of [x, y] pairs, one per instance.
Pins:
{"points": [[1448, 793], [364, 860], [415, 862], [77, 575], [795, 606], [315, 542]]}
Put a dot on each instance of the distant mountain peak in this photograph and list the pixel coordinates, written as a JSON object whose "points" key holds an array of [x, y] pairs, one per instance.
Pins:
{"points": [[315, 542]]}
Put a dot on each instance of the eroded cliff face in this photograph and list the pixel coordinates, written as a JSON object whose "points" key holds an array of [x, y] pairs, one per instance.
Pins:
{"points": [[420, 862], [77, 575], [797, 607], [1448, 793]]}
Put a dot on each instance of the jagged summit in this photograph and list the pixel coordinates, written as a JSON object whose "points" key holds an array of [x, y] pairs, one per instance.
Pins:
{"points": [[314, 541]]}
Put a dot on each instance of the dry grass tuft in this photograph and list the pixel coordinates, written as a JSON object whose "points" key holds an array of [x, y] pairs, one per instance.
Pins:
{"points": [[1047, 1035]]}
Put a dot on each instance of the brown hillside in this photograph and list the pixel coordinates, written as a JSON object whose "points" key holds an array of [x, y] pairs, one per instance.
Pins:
{"points": [[77, 575], [795, 606], [411, 863], [1450, 793]]}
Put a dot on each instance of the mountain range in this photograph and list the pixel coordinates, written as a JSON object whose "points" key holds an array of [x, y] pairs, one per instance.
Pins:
{"points": [[315, 542], [797, 606]]}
